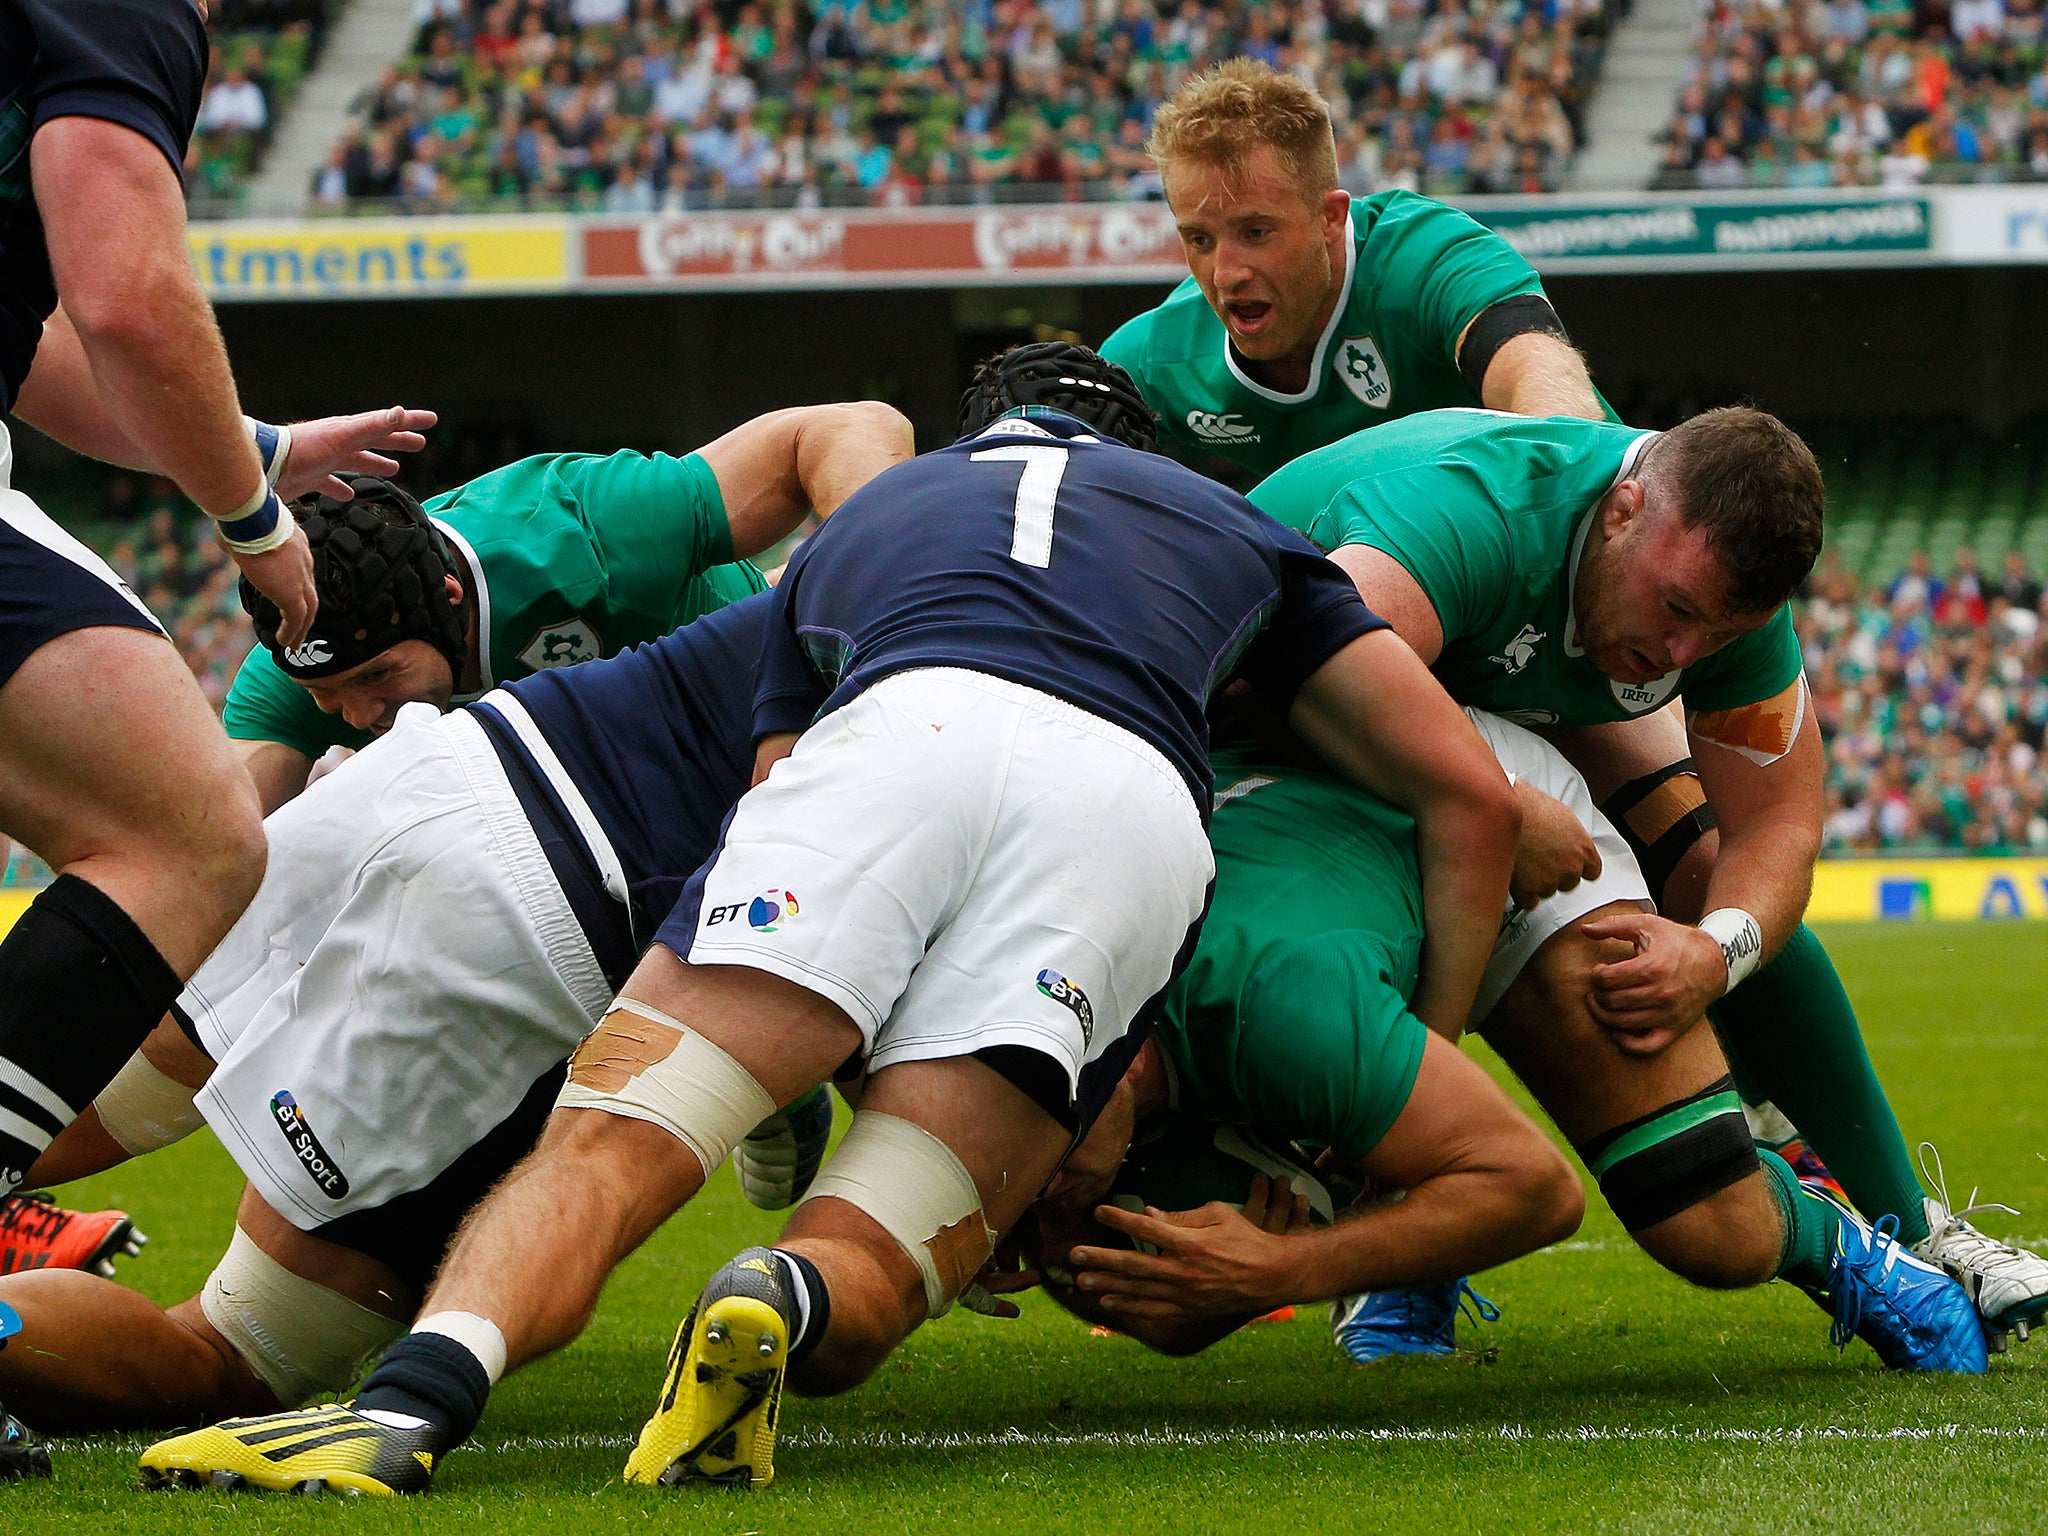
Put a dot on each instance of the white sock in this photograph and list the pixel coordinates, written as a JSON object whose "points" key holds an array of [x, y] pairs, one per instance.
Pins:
{"points": [[478, 1335], [794, 1283]]}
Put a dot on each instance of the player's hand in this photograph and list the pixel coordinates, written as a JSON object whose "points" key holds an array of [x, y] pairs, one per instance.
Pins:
{"points": [[1556, 851], [1211, 1263], [1012, 1268], [1663, 989], [357, 444], [285, 576]]}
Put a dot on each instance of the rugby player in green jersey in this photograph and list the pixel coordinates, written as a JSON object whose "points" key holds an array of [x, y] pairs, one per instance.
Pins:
{"points": [[1290, 1032], [1581, 576], [547, 561], [1311, 315]]}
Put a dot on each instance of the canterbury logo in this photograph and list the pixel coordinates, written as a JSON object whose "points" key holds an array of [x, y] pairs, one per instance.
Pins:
{"points": [[1212, 428], [312, 653]]}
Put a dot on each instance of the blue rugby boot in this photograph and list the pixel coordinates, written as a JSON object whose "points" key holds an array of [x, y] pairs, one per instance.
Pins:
{"points": [[781, 1156], [1419, 1321], [1913, 1314]]}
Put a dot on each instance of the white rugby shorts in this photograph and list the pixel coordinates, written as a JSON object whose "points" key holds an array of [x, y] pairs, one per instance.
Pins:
{"points": [[960, 862], [407, 970], [1536, 762]]}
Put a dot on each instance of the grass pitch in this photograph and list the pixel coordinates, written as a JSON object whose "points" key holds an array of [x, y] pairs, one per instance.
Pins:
{"points": [[1609, 1396]]}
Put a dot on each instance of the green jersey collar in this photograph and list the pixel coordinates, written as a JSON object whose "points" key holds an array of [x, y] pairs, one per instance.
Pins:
{"points": [[1629, 458], [1315, 369], [483, 615]]}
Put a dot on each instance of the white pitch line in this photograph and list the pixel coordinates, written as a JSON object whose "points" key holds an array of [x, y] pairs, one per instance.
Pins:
{"points": [[1170, 1438]]}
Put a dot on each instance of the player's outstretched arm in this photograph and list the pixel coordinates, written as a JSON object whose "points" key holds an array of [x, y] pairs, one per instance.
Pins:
{"points": [[778, 468], [1376, 715], [114, 219], [62, 398]]}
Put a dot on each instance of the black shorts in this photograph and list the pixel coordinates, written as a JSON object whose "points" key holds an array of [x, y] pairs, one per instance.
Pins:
{"points": [[50, 584]]}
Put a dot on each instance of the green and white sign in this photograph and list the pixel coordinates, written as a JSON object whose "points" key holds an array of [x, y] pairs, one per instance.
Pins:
{"points": [[1711, 232]]}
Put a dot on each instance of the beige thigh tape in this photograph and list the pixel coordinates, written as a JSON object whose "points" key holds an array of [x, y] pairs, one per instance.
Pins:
{"points": [[143, 1110], [299, 1337], [641, 1064], [910, 1182]]}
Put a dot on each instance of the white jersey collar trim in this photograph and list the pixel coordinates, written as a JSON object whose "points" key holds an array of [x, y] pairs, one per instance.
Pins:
{"points": [[483, 613], [1629, 459], [1315, 368]]}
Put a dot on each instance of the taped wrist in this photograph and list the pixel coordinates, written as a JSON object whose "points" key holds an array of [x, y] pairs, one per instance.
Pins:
{"points": [[919, 1193], [1741, 938], [1498, 324], [273, 447], [1661, 815], [144, 1110], [80, 987], [259, 526], [1672, 1158]]}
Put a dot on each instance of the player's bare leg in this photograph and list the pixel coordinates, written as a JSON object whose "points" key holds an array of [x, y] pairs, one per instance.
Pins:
{"points": [[1730, 1237], [599, 1183], [1007, 1143], [93, 1355], [114, 770], [86, 1146]]}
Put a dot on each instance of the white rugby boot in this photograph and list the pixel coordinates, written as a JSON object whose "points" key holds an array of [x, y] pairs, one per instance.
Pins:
{"points": [[2008, 1284]]}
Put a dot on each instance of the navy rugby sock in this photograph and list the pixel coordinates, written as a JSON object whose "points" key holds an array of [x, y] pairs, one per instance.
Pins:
{"points": [[430, 1377], [80, 986]]}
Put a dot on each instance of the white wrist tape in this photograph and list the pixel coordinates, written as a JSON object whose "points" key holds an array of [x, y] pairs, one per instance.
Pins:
{"points": [[1741, 938], [918, 1192], [260, 525], [273, 447], [299, 1337], [143, 1110], [643, 1065]]}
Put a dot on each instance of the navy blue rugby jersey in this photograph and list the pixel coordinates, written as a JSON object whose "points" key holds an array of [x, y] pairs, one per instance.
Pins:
{"points": [[657, 740], [1035, 551], [139, 63]]}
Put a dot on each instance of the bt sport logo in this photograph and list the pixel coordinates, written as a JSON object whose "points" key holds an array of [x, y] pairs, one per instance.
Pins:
{"points": [[766, 913]]}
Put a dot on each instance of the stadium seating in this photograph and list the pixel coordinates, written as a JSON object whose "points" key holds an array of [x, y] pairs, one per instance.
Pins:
{"points": [[261, 51], [632, 105], [1856, 92]]}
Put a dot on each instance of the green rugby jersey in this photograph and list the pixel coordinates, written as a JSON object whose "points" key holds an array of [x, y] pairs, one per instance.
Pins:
{"points": [[579, 555], [1417, 274], [1292, 1018], [1489, 513]]}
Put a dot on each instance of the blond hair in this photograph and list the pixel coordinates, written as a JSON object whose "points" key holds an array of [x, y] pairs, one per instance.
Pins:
{"points": [[1223, 115]]}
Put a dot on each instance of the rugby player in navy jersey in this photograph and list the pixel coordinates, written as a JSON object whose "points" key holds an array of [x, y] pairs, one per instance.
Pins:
{"points": [[444, 918], [973, 856]]}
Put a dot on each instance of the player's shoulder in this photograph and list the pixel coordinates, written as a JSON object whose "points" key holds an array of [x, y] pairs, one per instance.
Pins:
{"points": [[1178, 330]]}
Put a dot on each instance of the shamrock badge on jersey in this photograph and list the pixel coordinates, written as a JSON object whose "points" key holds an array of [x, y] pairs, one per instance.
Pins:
{"points": [[1364, 371]]}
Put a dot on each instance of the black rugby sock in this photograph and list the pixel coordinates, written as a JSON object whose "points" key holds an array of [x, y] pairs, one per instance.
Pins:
{"points": [[429, 1376], [80, 987]]}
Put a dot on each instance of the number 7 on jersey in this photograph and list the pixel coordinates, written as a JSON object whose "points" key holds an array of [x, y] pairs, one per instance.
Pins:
{"points": [[1038, 488]]}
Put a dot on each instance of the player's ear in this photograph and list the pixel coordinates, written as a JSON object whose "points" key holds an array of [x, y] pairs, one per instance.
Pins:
{"points": [[1336, 209], [452, 584], [1623, 505]]}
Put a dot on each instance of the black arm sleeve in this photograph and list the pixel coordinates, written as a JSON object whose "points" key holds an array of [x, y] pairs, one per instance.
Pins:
{"points": [[1498, 324], [139, 63]]}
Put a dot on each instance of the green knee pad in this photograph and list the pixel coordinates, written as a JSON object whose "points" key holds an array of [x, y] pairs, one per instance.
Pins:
{"points": [[1661, 1163]]}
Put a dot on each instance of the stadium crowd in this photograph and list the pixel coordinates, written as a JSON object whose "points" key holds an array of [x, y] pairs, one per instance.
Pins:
{"points": [[1931, 690], [1932, 696], [630, 106], [1816, 93], [261, 51]]}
